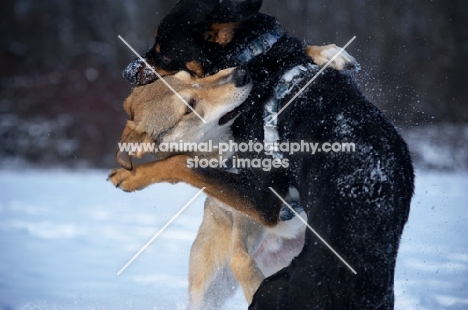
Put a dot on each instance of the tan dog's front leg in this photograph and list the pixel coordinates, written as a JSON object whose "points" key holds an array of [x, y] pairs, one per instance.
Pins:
{"points": [[227, 187], [144, 175]]}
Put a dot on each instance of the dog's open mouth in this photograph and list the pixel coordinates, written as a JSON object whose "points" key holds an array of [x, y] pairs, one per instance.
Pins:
{"points": [[230, 116]]}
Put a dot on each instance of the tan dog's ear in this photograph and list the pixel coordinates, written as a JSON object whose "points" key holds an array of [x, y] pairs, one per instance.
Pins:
{"points": [[221, 33], [129, 136]]}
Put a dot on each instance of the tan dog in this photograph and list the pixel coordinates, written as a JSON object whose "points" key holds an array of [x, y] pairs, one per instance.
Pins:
{"points": [[228, 243], [157, 115]]}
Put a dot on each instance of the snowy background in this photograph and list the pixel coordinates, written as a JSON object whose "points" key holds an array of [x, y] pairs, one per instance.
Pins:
{"points": [[64, 235]]}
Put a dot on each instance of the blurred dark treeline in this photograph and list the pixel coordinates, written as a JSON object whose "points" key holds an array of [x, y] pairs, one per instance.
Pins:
{"points": [[61, 89]]}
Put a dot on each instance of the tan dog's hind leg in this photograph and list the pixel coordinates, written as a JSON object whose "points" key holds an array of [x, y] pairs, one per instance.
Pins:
{"points": [[209, 257], [323, 54], [246, 236]]}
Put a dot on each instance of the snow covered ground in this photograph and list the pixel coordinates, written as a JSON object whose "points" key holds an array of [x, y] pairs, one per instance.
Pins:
{"points": [[65, 235]]}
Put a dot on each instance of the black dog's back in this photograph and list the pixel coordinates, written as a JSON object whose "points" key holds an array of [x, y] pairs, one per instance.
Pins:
{"points": [[357, 201]]}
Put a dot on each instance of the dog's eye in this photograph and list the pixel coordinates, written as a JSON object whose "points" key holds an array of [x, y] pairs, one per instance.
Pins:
{"points": [[192, 103]]}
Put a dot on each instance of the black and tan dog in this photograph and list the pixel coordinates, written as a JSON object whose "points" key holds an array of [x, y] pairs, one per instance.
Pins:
{"points": [[359, 202]]}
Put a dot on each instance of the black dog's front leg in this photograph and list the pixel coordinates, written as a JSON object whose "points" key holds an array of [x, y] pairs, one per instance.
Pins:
{"points": [[247, 192]]}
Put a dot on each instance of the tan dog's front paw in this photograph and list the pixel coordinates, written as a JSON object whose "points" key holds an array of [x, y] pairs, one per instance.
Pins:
{"points": [[143, 175], [126, 180], [323, 54]]}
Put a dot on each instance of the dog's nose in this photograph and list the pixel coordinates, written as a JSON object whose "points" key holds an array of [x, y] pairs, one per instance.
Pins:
{"points": [[241, 77]]}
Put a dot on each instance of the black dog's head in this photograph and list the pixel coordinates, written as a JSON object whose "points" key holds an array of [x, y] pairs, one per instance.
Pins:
{"points": [[194, 37]]}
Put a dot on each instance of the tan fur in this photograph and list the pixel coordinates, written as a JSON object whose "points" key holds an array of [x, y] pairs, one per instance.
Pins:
{"points": [[231, 232], [209, 252], [174, 170], [225, 239], [163, 72], [221, 33], [195, 67], [323, 54], [153, 109]]}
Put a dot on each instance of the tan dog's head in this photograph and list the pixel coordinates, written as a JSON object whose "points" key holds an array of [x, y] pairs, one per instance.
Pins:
{"points": [[157, 115]]}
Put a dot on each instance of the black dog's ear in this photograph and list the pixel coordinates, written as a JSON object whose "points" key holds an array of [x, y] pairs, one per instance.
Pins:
{"points": [[236, 10], [227, 16]]}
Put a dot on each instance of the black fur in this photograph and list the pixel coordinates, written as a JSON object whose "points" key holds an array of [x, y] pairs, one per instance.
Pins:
{"points": [[359, 202], [180, 36]]}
